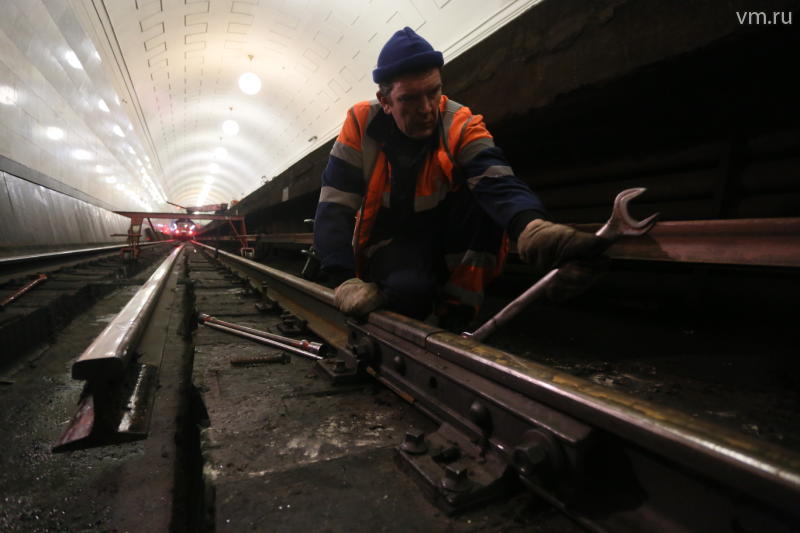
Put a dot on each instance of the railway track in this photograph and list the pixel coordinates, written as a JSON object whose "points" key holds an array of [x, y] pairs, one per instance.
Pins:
{"points": [[610, 460], [238, 436], [70, 282]]}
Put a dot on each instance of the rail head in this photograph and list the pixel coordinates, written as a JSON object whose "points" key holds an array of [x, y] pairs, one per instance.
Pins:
{"points": [[764, 471], [108, 355]]}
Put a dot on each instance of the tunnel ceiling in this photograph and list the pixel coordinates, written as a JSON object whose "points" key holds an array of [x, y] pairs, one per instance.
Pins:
{"points": [[177, 66]]}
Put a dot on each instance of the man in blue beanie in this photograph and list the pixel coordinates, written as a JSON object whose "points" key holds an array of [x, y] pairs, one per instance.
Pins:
{"points": [[417, 203]]}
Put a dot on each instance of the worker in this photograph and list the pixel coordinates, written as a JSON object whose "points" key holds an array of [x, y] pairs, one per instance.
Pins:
{"points": [[417, 203]]}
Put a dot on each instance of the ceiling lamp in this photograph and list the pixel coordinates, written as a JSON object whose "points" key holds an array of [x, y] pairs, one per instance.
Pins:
{"points": [[54, 133], [82, 155], [249, 83], [208, 179], [111, 179], [8, 95], [102, 105], [213, 167], [73, 60], [118, 131], [230, 128], [220, 152]]}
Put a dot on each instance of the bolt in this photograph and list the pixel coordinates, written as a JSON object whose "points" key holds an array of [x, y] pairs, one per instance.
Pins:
{"points": [[339, 365], [479, 413], [537, 455], [399, 364], [529, 458], [363, 348], [456, 478], [414, 442]]}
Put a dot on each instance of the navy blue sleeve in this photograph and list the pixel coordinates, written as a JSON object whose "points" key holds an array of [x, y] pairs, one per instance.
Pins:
{"points": [[340, 198], [497, 190]]}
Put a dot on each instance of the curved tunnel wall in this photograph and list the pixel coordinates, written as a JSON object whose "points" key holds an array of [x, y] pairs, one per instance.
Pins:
{"points": [[34, 218]]}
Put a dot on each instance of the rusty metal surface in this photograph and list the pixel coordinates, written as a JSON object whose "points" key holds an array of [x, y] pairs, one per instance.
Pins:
{"points": [[755, 241], [750, 241], [314, 348], [756, 467], [110, 352], [445, 375], [22, 290], [309, 300], [262, 340]]}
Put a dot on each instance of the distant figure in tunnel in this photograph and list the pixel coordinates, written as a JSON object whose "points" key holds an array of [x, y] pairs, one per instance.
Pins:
{"points": [[417, 203]]}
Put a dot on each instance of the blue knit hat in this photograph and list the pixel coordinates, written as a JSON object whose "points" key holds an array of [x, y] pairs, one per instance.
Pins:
{"points": [[405, 52]]}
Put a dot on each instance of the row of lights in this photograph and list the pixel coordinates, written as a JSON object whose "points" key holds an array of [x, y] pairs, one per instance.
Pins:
{"points": [[249, 83], [8, 96], [55, 133]]}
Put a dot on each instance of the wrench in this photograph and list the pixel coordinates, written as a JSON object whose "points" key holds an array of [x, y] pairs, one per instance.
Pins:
{"points": [[620, 223]]}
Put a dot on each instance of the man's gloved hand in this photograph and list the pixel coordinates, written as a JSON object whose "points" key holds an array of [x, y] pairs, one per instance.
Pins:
{"points": [[357, 298], [546, 246]]}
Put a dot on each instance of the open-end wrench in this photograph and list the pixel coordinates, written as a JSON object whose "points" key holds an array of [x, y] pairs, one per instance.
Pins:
{"points": [[621, 223]]}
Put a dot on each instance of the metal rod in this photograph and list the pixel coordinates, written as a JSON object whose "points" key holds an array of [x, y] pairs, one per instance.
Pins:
{"points": [[309, 346], [109, 353], [22, 290], [512, 309], [620, 223], [263, 340]]}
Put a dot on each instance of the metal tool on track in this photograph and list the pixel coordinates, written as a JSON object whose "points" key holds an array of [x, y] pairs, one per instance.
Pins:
{"points": [[28, 286], [309, 349], [620, 223]]}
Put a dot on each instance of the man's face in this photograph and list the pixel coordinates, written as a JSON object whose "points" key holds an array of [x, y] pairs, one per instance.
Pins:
{"points": [[414, 102]]}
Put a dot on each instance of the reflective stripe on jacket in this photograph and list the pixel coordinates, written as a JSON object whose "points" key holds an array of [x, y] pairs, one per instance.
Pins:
{"points": [[358, 179]]}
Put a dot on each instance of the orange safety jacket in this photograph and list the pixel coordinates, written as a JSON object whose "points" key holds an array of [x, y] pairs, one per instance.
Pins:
{"points": [[462, 136]]}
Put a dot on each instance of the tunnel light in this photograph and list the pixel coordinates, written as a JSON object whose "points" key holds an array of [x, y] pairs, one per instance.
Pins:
{"points": [[82, 155], [220, 152], [118, 131], [102, 105], [54, 133], [8, 95], [111, 179], [230, 128], [249, 83], [73, 60]]}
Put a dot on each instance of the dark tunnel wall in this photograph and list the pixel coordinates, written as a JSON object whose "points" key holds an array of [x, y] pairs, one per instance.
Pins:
{"points": [[588, 98]]}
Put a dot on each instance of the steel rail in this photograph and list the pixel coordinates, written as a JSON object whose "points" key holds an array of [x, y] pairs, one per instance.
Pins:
{"points": [[492, 396], [109, 354], [773, 242], [4, 261]]}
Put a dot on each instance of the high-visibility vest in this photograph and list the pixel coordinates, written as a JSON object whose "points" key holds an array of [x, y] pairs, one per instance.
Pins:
{"points": [[462, 136]]}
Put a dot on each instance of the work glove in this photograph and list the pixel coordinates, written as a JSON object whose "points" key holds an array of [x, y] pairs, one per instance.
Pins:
{"points": [[546, 246], [356, 297]]}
